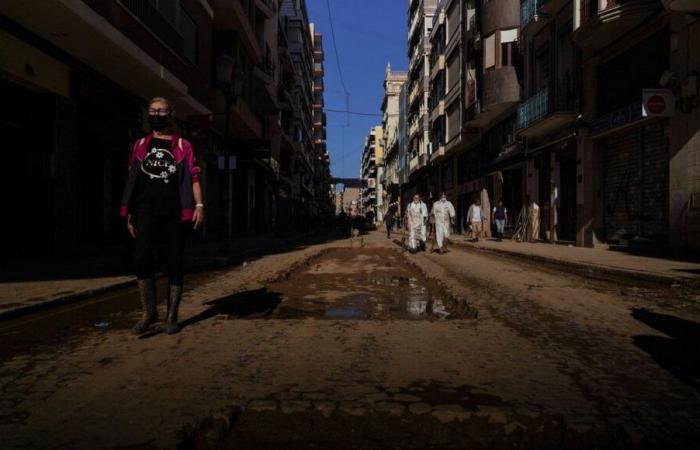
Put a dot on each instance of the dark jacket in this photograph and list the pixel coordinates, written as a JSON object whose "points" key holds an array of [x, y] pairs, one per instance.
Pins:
{"points": [[188, 173]]}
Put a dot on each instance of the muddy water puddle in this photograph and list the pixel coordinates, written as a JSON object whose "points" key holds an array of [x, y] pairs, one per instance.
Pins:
{"points": [[346, 283], [64, 327]]}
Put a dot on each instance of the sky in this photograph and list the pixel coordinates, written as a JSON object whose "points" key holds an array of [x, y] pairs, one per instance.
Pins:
{"points": [[369, 34]]}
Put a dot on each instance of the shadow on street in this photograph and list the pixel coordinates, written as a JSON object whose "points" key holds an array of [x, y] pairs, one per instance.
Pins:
{"points": [[677, 353]]}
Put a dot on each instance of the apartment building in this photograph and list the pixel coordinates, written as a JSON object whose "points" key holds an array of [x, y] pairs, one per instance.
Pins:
{"points": [[420, 23], [474, 93], [75, 112], [549, 114], [604, 166], [393, 82], [370, 170], [322, 179], [244, 77], [299, 120]]}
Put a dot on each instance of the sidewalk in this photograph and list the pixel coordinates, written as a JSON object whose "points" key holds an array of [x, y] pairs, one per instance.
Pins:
{"points": [[32, 285], [596, 262]]}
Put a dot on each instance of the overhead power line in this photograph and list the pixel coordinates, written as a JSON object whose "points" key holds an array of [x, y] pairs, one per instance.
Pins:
{"points": [[355, 113], [337, 61], [335, 47]]}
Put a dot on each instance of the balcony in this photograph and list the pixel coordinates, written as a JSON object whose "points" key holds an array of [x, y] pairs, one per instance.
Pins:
{"points": [[501, 91], [552, 6], [318, 69], [126, 47], [500, 15], [416, 24], [545, 113], [437, 111], [437, 66], [156, 22], [413, 164], [418, 53], [229, 15], [682, 6], [601, 25]]}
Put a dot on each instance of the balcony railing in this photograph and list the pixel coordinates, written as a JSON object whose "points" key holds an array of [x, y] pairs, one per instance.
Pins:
{"points": [[417, 53], [533, 109], [155, 21], [564, 98], [528, 8]]}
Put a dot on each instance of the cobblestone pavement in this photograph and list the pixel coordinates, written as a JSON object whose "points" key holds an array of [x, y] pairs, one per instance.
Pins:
{"points": [[551, 361]]}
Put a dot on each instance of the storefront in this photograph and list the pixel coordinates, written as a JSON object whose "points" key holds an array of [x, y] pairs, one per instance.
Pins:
{"points": [[635, 184]]}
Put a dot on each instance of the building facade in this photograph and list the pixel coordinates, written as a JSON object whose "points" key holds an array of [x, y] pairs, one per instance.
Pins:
{"points": [[229, 67], [371, 168], [545, 102], [393, 83], [420, 24]]}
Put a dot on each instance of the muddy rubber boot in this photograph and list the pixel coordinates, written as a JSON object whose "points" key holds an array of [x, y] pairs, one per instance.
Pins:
{"points": [[147, 292], [171, 326]]}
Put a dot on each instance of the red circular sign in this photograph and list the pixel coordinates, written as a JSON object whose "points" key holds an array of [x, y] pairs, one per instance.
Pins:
{"points": [[656, 104]]}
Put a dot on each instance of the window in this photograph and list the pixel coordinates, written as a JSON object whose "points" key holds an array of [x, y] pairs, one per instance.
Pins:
{"points": [[509, 53], [490, 51]]}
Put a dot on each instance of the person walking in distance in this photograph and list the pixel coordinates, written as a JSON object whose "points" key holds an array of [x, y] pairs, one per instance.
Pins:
{"points": [[417, 218], [443, 213], [162, 197], [388, 223], [499, 216], [475, 219]]}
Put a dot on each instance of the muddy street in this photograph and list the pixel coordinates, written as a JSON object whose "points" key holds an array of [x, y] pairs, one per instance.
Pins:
{"points": [[337, 346]]}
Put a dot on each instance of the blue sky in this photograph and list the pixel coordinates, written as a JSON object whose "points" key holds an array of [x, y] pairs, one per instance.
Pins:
{"points": [[369, 33]]}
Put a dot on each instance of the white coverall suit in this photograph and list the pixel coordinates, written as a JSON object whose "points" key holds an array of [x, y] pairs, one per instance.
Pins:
{"points": [[416, 213], [444, 212]]}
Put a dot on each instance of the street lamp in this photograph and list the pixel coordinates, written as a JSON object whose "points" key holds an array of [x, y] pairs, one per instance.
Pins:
{"points": [[229, 79]]}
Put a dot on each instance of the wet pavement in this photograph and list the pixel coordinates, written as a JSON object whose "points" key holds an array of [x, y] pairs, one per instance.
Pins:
{"points": [[363, 284], [336, 347], [68, 325]]}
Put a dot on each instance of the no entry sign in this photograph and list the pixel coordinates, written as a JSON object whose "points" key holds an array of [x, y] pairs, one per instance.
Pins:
{"points": [[658, 103]]}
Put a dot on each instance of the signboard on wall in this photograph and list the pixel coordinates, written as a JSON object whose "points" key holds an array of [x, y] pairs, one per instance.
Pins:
{"points": [[658, 103]]}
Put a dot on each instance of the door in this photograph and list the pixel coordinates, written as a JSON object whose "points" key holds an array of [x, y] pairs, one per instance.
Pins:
{"points": [[27, 128]]}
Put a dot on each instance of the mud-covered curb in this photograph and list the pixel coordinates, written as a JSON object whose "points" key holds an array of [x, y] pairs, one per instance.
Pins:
{"points": [[592, 271], [74, 297]]}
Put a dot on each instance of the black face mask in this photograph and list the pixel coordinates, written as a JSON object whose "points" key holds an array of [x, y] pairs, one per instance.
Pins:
{"points": [[158, 123]]}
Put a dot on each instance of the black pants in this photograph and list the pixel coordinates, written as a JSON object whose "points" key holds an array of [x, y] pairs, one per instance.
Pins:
{"points": [[164, 235]]}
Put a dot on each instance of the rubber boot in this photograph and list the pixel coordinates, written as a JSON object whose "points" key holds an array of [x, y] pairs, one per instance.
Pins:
{"points": [[147, 292], [171, 326]]}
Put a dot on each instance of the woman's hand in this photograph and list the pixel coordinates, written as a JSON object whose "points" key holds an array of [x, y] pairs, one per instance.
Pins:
{"points": [[198, 217], [130, 227]]}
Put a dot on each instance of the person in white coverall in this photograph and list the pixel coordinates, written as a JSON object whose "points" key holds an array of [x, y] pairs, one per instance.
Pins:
{"points": [[444, 214], [417, 216]]}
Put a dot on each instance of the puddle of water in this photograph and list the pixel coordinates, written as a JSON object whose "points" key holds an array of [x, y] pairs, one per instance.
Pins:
{"points": [[362, 284], [65, 326], [344, 313]]}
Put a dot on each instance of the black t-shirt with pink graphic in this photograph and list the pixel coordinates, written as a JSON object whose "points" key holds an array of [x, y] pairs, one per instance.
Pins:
{"points": [[157, 189]]}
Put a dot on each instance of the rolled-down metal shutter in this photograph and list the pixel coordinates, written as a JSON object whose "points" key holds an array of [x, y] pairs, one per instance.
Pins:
{"points": [[635, 184]]}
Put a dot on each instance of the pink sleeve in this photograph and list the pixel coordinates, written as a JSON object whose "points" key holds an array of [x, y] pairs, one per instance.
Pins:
{"points": [[192, 163]]}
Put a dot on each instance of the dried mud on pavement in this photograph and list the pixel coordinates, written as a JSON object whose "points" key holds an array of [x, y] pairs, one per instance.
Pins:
{"points": [[336, 347]]}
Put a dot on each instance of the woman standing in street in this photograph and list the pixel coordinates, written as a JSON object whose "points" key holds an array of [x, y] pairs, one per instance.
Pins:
{"points": [[162, 197]]}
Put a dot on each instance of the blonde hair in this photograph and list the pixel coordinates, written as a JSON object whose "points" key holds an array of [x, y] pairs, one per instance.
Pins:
{"points": [[161, 100]]}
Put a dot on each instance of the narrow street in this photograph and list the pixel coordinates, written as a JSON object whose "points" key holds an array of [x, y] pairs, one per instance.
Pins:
{"points": [[339, 345]]}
